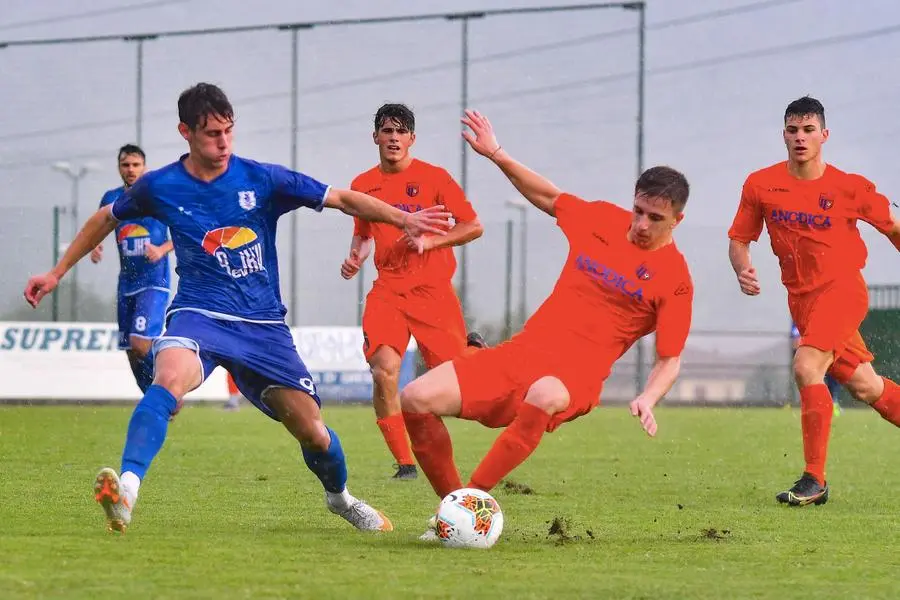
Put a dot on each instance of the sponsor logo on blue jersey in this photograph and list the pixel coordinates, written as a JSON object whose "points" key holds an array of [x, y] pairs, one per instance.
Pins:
{"points": [[237, 249], [133, 240]]}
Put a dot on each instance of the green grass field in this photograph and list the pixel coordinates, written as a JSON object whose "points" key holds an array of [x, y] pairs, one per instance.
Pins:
{"points": [[230, 511]]}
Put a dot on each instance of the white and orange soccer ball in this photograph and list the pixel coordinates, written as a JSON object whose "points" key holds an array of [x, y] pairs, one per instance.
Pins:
{"points": [[469, 518]]}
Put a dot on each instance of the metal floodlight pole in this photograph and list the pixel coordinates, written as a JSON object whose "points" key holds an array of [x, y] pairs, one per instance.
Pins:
{"points": [[522, 206], [295, 220], [641, 8], [523, 275], [139, 84], [139, 112], [508, 326], [463, 146], [75, 175], [464, 163], [295, 127], [55, 297], [75, 222]]}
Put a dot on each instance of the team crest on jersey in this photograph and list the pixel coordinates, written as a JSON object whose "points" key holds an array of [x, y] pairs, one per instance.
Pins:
{"points": [[825, 202], [412, 190], [247, 200], [643, 272]]}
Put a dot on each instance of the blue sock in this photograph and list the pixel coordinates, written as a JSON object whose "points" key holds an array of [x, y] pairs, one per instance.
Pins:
{"points": [[329, 466], [147, 429], [143, 372]]}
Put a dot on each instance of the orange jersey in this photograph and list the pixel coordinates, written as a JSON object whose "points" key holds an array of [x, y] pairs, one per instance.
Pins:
{"points": [[611, 292], [418, 186], [812, 224]]}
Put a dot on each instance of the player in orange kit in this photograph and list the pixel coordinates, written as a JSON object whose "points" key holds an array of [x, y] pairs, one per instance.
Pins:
{"points": [[623, 278], [234, 395], [810, 210], [413, 294]]}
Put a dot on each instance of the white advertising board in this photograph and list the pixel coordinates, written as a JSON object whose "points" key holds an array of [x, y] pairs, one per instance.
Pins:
{"points": [[81, 362]]}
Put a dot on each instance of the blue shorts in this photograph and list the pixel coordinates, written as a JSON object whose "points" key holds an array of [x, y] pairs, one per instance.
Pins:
{"points": [[259, 356], [141, 314]]}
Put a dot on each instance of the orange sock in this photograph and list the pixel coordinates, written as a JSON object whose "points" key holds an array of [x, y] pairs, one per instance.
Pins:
{"points": [[433, 449], [232, 386], [888, 406], [815, 421], [514, 445], [394, 431]]}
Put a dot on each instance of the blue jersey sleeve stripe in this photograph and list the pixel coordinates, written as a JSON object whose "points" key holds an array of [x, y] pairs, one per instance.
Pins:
{"points": [[321, 204], [112, 211]]}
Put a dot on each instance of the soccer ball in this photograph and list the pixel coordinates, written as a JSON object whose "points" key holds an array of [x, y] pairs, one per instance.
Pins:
{"points": [[469, 518]]}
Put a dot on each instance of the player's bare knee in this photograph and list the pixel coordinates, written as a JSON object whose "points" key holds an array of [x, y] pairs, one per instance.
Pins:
{"points": [[808, 371], [865, 385], [385, 364], [549, 394], [172, 380], [416, 397], [386, 376], [314, 437], [177, 370], [309, 430]]}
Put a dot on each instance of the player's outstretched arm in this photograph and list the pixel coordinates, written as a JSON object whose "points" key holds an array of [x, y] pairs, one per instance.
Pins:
{"points": [[739, 254], [459, 235], [360, 248], [894, 234], [157, 253], [97, 254], [874, 208], [100, 225], [536, 188], [661, 380], [434, 219]]}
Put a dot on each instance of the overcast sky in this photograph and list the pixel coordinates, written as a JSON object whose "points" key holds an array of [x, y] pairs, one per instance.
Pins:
{"points": [[559, 88]]}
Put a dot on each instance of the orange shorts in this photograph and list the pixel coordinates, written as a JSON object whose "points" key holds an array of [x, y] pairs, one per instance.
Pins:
{"points": [[493, 381], [430, 313], [829, 318]]}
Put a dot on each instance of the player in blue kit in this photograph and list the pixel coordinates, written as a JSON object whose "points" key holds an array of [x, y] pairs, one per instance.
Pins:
{"points": [[222, 211], [143, 289]]}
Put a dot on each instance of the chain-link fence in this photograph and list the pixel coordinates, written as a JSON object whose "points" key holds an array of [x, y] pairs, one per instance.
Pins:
{"points": [[567, 106], [306, 96]]}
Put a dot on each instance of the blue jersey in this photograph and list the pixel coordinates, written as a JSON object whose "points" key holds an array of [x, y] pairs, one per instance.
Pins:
{"points": [[136, 272], [224, 232]]}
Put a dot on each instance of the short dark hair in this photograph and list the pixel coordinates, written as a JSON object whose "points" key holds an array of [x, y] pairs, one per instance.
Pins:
{"points": [[664, 182], [198, 102], [395, 112], [804, 107], [131, 149]]}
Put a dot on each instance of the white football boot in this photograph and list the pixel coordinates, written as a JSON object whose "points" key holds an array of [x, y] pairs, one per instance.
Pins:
{"points": [[359, 514], [109, 494]]}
